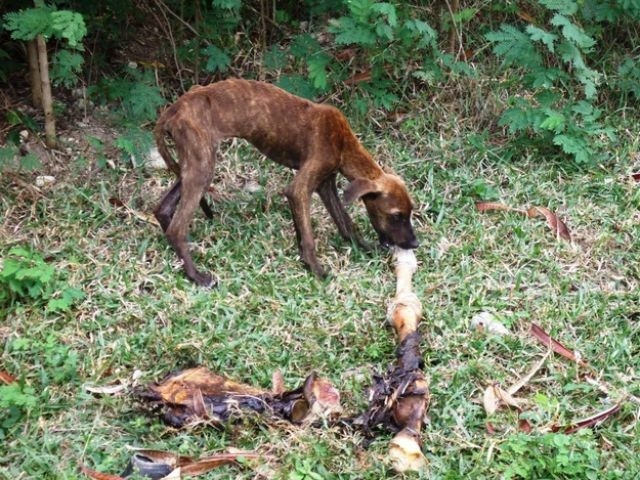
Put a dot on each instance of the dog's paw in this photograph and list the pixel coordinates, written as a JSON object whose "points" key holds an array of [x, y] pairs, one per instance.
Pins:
{"points": [[319, 272], [204, 280]]}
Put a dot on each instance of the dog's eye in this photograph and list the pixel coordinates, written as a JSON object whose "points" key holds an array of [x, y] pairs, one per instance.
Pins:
{"points": [[397, 217]]}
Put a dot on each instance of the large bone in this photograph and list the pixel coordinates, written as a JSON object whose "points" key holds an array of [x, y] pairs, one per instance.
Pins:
{"points": [[410, 400]]}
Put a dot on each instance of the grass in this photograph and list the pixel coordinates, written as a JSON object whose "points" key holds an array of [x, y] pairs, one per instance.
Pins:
{"points": [[140, 314]]}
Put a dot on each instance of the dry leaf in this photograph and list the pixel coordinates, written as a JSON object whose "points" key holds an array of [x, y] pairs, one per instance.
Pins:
{"points": [[206, 464], [145, 217], [97, 475], [345, 55], [544, 338], [490, 206], [526, 16], [636, 177], [174, 475], [524, 425], [6, 377], [107, 389], [527, 378], [405, 452], [167, 465], [494, 397], [555, 224], [193, 395], [558, 226], [358, 77], [589, 421]]}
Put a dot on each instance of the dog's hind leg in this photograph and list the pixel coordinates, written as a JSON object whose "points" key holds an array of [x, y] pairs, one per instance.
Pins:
{"points": [[329, 194], [167, 207], [196, 177]]}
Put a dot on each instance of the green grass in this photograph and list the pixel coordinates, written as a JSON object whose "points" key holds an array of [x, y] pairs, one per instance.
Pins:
{"points": [[268, 313]]}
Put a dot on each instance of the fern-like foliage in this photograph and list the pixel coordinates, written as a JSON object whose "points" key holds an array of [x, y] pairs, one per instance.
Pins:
{"points": [[66, 65], [217, 59], [27, 24], [556, 56], [69, 26], [63, 25], [514, 47]]}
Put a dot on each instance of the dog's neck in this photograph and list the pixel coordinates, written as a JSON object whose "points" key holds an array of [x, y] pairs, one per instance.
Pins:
{"points": [[357, 162]]}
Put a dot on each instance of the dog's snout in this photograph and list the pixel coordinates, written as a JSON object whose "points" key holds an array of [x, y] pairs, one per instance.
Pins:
{"points": [[413, 244]]}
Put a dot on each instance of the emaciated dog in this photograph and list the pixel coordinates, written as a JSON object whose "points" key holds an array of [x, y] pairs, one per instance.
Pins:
{"points": [[314, 139]]}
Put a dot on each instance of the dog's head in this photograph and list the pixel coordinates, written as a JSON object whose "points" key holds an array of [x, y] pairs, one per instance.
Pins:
{"points": [[389, 207]]}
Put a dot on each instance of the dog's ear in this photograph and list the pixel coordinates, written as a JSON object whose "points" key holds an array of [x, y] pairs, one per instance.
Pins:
{"points": [[358, 188]]}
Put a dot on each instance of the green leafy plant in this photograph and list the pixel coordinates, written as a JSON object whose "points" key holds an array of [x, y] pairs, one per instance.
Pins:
{"points": [[16, 400], [134, 143], [64, 25], [11, 159], [135, 93], [378, 47], [26, 276], [552, 455], [391, 38], [559, 105]]}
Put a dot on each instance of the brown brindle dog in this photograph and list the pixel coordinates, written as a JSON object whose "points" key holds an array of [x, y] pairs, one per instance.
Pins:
{"points": [[314, 139]]}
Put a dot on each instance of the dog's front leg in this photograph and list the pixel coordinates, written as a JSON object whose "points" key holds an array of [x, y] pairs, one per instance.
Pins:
{"points": [[299, 194], [329, 194]]}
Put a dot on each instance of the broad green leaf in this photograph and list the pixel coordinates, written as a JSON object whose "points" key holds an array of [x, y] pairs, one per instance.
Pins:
{"points": [[575, 146], [426, 35], [361, 9], [227, 4], [515, 119], [275, 58], [348, 32], [30, 162], [65, 67], [303, 46], [384, 31]]}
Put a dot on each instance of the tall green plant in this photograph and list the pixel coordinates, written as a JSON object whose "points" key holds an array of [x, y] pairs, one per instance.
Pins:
{"points": [[554, 63], [64, 26]]}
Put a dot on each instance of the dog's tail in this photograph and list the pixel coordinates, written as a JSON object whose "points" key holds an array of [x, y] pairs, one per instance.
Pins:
{"points": [[160, 135]]}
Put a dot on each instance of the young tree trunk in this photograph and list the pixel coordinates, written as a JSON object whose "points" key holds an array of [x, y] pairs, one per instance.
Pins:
{"points": [[34, 74], [453, 34], [47, 100]]}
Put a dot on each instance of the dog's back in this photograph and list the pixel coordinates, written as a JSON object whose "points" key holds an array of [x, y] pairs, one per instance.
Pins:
{"points": [[276, 122]]}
